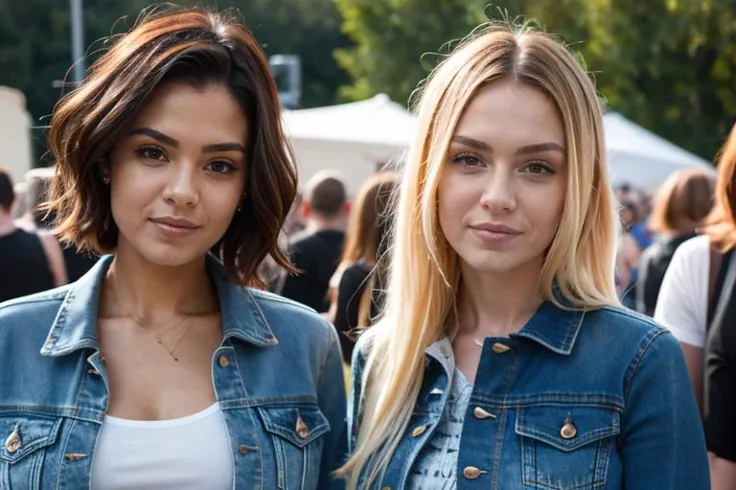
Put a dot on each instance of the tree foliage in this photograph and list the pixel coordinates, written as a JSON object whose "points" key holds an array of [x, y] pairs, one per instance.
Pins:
{"points": [[35, 37], [667, 64]]}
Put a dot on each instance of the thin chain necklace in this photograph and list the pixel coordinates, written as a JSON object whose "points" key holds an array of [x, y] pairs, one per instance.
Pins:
{"points": [[157, 336]]}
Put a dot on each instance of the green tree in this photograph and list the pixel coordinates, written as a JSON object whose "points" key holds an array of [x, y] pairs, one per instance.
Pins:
{"points": [[667, 64], [35, 43]]}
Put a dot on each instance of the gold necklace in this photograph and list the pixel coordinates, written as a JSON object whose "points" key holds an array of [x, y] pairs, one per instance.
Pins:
{"points": [[158, 336]]}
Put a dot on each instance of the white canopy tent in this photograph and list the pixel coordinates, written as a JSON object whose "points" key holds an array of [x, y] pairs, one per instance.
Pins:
{"points": [[640, 157], [357, 138]]}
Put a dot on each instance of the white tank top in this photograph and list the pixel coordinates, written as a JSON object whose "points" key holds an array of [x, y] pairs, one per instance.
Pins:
{"points": [[188, 453]]}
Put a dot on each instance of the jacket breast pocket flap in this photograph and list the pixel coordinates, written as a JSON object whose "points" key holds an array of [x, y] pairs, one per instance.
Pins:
{"points": [[568, 428], [566, 447], [21, 436], [298, 425]]}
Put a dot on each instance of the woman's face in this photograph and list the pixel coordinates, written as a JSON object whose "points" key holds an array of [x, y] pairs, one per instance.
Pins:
{"points": [[502, 187], [178, 174]]}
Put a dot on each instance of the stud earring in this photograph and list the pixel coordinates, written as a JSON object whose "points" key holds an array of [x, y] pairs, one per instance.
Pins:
{"points": [[105, 179]]}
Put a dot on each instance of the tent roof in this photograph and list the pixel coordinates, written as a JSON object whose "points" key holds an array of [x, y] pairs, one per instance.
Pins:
{"points": [[624, 136], [375, 121]]}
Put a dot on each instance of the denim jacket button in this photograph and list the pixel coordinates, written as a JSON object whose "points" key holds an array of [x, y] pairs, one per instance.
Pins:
{"points": [[418, 431], [471, 472], [12, 443], [301, 428], [223, 361], [500, 348], [481, 414], [568, 431]]}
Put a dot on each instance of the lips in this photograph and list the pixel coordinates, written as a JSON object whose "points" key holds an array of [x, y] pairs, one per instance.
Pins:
{"points": [[175, 222], [496, 228]]}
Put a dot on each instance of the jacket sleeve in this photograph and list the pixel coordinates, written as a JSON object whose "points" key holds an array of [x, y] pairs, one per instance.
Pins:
{"points": [[662, 443], [332, 403]]}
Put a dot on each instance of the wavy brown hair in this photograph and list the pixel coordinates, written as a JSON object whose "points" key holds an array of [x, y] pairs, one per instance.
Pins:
{"points": [[721, 223], [192, 46], [685, 197]]}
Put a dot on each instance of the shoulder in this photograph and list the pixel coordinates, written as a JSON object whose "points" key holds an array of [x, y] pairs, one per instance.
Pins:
{"points": [[628, 335], [616, 327], [287, 317], [31, 314], [696, 248]]}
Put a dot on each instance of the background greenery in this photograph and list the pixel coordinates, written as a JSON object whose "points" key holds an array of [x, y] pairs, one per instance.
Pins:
{"points": [[669, 65]]}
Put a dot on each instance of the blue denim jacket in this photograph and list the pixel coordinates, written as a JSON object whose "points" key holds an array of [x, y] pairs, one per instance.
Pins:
{"points": [[594, 400], [278, 362]]}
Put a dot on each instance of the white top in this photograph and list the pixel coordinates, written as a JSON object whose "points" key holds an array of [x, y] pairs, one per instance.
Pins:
{"points": [[682, 305], [188, 453]]}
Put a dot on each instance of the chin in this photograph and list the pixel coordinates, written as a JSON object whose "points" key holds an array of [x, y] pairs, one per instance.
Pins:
{"points": [[495, 263], [171, 256]]}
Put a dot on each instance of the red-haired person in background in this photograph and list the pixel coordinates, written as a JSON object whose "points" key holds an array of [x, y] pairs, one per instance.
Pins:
{"points": [[697, 303]]}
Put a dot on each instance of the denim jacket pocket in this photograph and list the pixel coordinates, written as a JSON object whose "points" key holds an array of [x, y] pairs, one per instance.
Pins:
{"points": [[566, 447], [23, 443], [297, 438]]}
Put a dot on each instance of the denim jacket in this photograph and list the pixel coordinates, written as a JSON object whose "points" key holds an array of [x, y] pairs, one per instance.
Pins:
{"points": [[277, 376], [575, 400]]}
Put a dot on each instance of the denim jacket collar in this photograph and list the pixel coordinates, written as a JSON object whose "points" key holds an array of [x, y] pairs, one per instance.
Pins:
{"points": [[551, 326], [75, 326]]}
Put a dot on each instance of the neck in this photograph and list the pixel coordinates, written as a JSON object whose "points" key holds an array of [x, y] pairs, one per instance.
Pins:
{"points": [[316, 224], [154, 293], [7, 225], [492, 305]]}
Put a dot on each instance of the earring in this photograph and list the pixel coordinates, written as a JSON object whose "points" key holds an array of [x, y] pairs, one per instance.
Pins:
{"points": [[242, 199], [105, 179]]}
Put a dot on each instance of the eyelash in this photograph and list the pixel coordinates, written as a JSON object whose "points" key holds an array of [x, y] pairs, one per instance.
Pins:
{"points": [[143, 152], [462, 158]]}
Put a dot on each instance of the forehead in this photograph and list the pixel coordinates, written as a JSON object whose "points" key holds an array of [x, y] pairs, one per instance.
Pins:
{"points": [[513, 112], [208, 113]]}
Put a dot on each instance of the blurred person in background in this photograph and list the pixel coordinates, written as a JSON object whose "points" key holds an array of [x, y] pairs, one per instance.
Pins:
{"points": [[503, 358], [38, 182], [357, 286], [166, 366], [30, 261], [627, 256], [681, 204], [315, 251], [697, 303]]}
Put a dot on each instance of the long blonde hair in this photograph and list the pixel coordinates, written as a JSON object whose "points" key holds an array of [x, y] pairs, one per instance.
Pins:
{"points": [[424, 269]]}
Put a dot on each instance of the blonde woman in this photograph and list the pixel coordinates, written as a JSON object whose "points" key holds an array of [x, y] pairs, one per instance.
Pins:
{"points": [[504, 359]]}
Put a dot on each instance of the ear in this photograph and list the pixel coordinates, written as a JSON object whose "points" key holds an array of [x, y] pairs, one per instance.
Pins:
{"points": [[346, 207], [306, 210]]}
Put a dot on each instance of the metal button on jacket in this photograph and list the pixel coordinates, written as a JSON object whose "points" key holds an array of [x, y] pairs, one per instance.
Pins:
{"points": [[13, 442], [471, 472], [568, 431], [481, 414], [500, 348], [418, 431]]}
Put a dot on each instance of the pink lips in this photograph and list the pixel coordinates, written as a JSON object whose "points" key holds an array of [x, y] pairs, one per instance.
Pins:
{"points": [[174, 227], [494, 234]]}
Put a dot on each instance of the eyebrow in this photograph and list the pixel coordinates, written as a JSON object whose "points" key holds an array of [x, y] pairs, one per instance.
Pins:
{"points": [[168, 140], [524, 150]]}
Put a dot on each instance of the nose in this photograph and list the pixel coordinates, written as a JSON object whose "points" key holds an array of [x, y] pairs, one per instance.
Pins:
{"points": [[499, 194], [181, 188]]}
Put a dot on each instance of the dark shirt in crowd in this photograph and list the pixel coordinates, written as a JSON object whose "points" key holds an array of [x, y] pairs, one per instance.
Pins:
{"points": [[720, 366], [350, 290], [316, 256], [24, 267], [652, 266], [77, 263]]}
